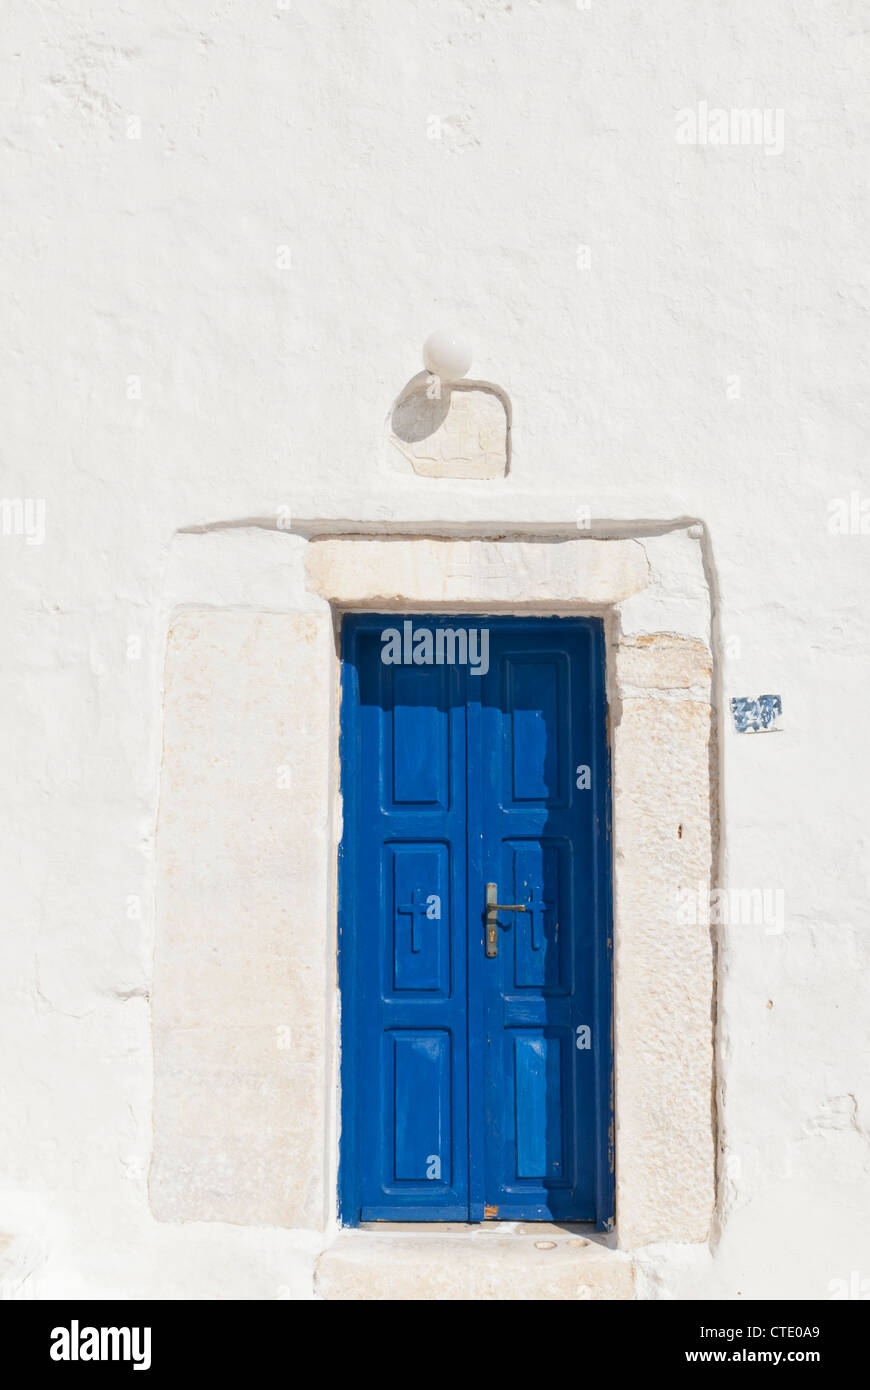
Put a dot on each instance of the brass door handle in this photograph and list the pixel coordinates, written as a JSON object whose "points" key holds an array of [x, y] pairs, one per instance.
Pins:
{"points": [[493, 908]]}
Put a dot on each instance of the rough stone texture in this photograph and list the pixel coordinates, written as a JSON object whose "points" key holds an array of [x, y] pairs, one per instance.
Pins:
{"points": [[461, 434], [664, 821], [663, 969], [239, 1001], [358, 571], [660, 661], [470, 1267]]}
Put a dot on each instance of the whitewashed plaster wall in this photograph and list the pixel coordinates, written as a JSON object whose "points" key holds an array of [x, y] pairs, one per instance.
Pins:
{"points": [[229, 228]]}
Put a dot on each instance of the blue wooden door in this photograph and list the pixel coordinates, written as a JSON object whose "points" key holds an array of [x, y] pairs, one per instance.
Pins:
{"points": [[476, 1057]]}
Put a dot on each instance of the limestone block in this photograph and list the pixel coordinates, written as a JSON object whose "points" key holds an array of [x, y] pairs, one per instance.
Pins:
{"points": [[240, 980], [471, 1267], [357, 570], [460, 432], [660, 661], [664, 972]]}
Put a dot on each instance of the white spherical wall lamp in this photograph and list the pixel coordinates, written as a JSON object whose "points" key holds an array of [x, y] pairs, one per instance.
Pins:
{"points": [[447, 354]]}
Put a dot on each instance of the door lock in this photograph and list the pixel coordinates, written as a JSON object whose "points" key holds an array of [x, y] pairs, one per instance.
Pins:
{"points": [[493, 908]]}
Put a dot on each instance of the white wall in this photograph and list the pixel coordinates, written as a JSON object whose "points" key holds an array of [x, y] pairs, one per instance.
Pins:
{"points": [[165, 368]]}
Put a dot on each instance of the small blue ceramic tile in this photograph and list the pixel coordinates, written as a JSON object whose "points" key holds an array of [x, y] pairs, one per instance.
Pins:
{"points": [[762, 715]]}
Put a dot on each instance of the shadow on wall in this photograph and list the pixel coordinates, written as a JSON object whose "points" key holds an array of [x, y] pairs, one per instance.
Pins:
{"points": [[456, 430]]}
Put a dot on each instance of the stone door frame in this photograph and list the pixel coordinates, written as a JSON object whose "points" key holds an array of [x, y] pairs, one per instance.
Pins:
{"points": [[245, 1001], [661, 724]]}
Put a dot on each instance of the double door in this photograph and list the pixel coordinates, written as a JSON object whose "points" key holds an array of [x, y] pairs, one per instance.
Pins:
{"points": [[474, 920]]}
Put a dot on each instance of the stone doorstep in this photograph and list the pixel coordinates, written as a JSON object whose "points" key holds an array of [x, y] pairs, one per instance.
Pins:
{"points": [[470, 1263]]}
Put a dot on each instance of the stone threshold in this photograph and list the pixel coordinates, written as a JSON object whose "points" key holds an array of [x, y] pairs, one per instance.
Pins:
{"points": [[453, 1262]]}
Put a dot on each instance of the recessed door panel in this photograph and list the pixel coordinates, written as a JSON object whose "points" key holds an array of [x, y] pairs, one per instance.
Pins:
{"points": [[419, 735], [420, 1120], [537, 873], [420, 880], [534, 695], [537, 1107]]}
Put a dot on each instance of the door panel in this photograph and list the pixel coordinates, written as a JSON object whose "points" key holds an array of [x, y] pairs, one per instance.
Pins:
{"points": [[419, 734], [421, 918], [539, 831], [538, 875], [407, 920], [475, 1087], [534, 694], [420, 1123]]}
